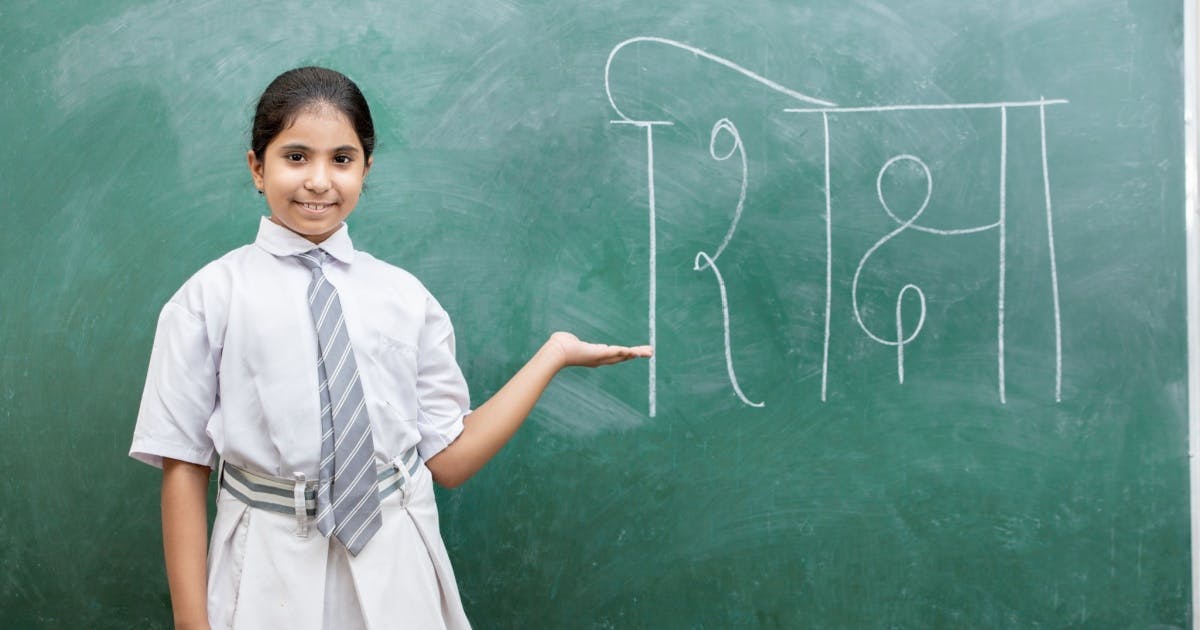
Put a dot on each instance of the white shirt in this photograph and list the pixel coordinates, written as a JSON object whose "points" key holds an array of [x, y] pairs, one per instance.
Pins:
{"points": [[233, 371]]}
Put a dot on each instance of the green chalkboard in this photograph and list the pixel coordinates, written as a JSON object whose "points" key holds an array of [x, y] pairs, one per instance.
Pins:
{"points": [[914, 270]]}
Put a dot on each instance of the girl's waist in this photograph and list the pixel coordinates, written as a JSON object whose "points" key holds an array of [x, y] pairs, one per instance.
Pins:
{"points": [[286, 495]]}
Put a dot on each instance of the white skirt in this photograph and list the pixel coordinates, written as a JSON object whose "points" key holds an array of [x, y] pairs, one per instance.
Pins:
{"points": [[263, 574]]}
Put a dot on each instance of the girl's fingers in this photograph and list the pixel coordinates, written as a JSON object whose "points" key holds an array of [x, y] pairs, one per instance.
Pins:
{"points": [[583, 353], [618, 354]]}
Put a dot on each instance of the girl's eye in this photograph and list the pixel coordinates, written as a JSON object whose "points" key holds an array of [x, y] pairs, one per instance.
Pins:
{"points": [[342, 159], [294, 157]]}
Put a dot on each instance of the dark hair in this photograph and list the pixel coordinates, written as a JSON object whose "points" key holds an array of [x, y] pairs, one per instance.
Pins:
{"points": [[303, 89]]}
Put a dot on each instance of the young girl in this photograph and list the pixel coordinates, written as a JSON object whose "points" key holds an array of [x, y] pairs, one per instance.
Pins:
{"points": [[324, 381]]}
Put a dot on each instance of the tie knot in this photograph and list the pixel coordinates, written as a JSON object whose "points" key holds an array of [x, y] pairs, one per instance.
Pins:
{"points": [[312, 258]]}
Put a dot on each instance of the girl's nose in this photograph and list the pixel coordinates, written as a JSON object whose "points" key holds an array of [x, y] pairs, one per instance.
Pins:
{"points": [[318, 180]]}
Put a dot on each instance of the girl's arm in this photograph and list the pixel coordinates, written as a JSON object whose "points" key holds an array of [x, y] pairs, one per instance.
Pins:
{"points": [[490, 426], [185, 540]]}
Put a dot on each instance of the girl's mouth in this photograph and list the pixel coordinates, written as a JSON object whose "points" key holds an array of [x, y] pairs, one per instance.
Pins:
{"points": [[315, 207]]}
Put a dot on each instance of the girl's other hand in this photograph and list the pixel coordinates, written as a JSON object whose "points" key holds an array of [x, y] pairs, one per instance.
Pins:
{"points": [[571, 351]]}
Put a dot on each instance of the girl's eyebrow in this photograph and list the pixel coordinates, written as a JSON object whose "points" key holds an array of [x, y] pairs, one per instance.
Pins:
{"points": [[295, 146]]}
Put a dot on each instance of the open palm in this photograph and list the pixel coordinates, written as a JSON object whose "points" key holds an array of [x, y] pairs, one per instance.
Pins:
{"points": [[577, 352]]}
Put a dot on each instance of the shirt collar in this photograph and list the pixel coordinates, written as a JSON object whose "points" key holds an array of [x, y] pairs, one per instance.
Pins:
{"points": [[280, 241]]}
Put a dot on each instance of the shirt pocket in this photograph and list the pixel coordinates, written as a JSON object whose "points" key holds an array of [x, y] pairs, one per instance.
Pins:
{"points": [[398, 367]]}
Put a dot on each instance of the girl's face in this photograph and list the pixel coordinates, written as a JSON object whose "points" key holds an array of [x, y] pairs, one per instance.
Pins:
{"points": [[312, 173]]}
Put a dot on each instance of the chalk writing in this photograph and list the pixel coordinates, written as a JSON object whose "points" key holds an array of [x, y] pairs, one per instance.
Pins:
{"points": [[704, 261], [907, 294]]}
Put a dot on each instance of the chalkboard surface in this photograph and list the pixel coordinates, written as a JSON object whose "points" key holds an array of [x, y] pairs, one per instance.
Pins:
{"points": [[914, 272]]}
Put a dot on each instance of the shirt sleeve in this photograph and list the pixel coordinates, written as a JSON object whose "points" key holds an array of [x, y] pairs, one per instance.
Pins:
{"points": [[180, 393], [442, 395]]}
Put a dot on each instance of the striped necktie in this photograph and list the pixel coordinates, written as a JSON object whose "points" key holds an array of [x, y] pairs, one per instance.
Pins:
{"points": [[347, 497]]}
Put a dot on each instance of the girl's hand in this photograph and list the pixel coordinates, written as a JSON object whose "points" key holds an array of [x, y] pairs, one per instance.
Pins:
{"points": [[571, 351]]}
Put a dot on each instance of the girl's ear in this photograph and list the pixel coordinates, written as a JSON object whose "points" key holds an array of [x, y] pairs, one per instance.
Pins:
{"points": [[367, 168], [256, 169]]}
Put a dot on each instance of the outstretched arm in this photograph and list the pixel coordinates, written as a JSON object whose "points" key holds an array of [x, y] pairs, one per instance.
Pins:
{"points": [[487, 429]]}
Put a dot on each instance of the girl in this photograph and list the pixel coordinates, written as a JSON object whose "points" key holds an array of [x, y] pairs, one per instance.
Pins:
{"points": [[324, 381]]}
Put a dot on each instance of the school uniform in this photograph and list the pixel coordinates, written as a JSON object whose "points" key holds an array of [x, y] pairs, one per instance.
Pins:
{"points": [[233, 376]]}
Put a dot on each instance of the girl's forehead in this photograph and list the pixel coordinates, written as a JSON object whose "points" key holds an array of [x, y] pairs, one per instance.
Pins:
{"points": [[319, 123]]}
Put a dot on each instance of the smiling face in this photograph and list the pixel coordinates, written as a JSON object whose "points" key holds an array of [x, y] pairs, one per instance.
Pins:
{"points": [[312, 173]]}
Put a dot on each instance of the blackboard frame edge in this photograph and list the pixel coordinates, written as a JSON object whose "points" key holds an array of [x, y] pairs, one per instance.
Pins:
{"points": [[1191, 31]]}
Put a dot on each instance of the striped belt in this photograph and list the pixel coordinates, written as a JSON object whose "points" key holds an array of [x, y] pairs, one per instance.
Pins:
{"points": [[299, 495]]}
